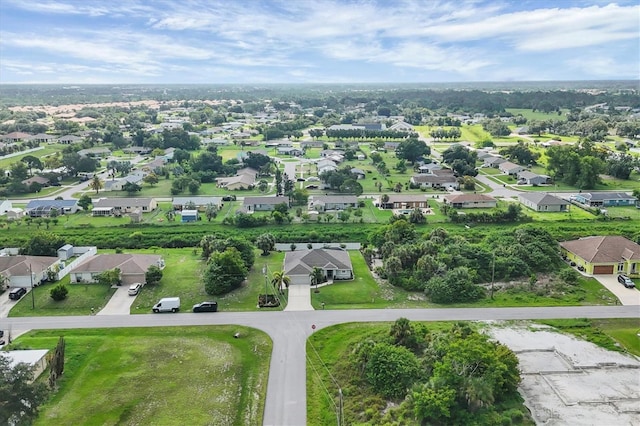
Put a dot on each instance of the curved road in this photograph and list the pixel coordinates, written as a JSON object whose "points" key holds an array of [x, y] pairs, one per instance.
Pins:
{"points": [[286, 402]]}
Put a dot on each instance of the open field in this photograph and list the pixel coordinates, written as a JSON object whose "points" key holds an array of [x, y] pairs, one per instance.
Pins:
{"points": [[177, 375], [537, 115]]}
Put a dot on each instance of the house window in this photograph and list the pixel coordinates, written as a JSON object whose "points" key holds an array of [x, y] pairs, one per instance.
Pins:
{"points": [[634, 268], [621, 267]]}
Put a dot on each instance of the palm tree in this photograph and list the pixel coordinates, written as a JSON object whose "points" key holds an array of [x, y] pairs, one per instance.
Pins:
{"points": [[316, 275], [279, 278], [96, 184]]}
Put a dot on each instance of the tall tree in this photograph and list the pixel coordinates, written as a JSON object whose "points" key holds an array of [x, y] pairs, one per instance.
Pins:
{"points": [[96, 184], [20, 396]]}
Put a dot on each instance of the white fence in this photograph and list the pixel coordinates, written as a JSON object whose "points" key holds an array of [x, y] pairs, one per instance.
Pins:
{"points": [[87, 252]]}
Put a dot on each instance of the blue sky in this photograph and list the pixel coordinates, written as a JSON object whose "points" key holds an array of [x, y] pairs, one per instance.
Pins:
{"points": [[316, 41]]}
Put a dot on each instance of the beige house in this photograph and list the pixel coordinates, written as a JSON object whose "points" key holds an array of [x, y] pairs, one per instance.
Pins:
{"points": [[470, 201], [132, 267], [116, 206]]}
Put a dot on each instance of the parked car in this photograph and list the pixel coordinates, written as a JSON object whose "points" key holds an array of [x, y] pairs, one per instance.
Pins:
{"points": [[167, 304], [134, 289], [626, 281], [17, 293], [205, 307]]}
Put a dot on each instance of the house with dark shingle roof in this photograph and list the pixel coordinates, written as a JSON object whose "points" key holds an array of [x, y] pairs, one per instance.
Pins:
{"points": [[133, 267], [543, 202], [611, 254], [42, 208], [334, 263], [529, 178]]}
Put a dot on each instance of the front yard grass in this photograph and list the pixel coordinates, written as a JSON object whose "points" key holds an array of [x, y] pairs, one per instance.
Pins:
{"points": [[182, 277], [79, 301], [167, 375], [364, 292]]}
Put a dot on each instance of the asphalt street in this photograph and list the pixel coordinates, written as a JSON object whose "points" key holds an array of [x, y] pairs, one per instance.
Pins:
{"points": [[286, 391]]}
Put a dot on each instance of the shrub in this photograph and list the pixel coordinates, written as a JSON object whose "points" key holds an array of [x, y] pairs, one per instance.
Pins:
{"points": [[59, 292]]}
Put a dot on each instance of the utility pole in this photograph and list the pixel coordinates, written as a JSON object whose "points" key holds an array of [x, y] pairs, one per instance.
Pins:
{"points": [[33, 300], [340, 408], [264, 272], [493, 272]]}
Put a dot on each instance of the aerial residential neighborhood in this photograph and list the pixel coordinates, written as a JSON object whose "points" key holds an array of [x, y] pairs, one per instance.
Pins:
{"points": [[317, 213]]}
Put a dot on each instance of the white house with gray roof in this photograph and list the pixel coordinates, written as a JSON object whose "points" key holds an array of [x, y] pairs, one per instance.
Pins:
{"points": [[543, 202], [322, 203], [334, 263]]}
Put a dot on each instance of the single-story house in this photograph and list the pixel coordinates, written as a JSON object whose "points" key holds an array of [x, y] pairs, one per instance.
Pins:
{"points": [[603, 254], [15, 213], [118, 184], [237, 182], [22, 271], [5, 206], [42, 208], [288, 150], [35, 358], [132, 267], [511, 169], [95, 152], [326, 166], [189, 216], [436, 179], [326, 153], [429, 168], [401, 126], [493, 161], [43, 181], [334, 263], [543, 202], [69, 139], [404, 201], [139, 150], [201, 203], [256, 204], [110, 206], [42, 138], [529, 178], [15, 137], [358, 173], [605, 199], [311, 144], [323, 203], [469, 201]]}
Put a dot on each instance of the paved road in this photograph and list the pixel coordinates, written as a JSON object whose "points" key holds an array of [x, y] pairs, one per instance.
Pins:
{"points": [[286, 390]]}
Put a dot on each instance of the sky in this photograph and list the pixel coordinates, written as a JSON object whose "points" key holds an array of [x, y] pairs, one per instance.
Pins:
{"points": [[316, 41]]}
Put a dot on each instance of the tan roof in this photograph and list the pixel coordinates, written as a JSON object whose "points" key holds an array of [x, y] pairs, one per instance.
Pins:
{"points": [[18, 266], [603, 249], [127, 263]]}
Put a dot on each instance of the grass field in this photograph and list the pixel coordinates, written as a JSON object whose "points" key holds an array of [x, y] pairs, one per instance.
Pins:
{"points": [[168, 376], [537, 115], [79, 301], [613, 334], [182, 277]]}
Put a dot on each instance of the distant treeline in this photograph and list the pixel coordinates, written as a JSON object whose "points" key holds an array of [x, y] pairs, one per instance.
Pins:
{"points": [[476, 97]]}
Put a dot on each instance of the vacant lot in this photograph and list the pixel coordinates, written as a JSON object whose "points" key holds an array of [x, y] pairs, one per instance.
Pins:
{"points": [[168, 376]]}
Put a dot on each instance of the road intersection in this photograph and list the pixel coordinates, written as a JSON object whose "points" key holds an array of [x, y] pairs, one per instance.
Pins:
{"points": [[286, 390]]}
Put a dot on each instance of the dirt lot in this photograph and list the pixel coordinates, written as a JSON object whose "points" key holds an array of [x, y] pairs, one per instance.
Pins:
{"points": [[566, 381]]}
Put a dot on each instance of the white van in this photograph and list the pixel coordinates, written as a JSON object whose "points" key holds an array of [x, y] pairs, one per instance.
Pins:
{"points": [[167, 304]]}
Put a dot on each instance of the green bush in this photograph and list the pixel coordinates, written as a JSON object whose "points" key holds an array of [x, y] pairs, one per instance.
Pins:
{"points": [[59, 292]]}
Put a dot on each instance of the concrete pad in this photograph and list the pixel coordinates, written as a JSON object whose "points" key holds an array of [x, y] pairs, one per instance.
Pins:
{"points": [[6, 304], [627, 296], [567, 381], [299, 298], [119, 304]]}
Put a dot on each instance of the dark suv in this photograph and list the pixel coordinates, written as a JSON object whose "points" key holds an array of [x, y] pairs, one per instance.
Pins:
{"points": [[206, 307], [17, 293], [626, 281]]}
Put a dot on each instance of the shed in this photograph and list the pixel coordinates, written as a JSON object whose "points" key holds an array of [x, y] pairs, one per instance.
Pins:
{"points": [[189, 215], [65, 252], [36, 358]]}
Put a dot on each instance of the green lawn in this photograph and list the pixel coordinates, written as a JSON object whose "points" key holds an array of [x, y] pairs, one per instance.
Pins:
{"points": [[79, 301], [613, 334], [169, 376], [48, 149], [537, 115], [182, 277], [365, 293], [474, 133]]}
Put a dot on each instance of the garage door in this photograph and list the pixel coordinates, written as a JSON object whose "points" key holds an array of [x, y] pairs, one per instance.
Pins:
{"points": [[603, 269]]}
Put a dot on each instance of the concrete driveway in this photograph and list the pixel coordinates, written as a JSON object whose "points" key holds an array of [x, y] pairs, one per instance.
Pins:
{"points": [[119, 304], [627, 296], [299, 298], [6, 304]]}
